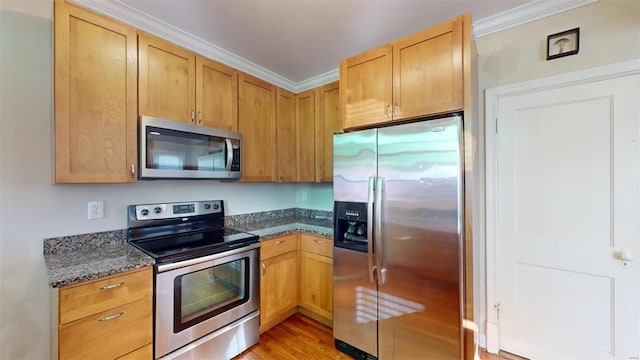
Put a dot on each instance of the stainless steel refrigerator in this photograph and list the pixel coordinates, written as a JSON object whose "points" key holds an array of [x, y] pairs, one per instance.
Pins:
{"points": [[398, 219]]}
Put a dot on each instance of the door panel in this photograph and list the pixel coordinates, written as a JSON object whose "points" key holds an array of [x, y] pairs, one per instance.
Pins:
{"points": [[568, 191], [419, 302], [354, 161], [354, 301]]}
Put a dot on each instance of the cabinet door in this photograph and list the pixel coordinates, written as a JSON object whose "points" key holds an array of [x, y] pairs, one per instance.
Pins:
{"points": [[95, 98], [278, 287], [316, 284], [306, 114], [328, 124], [257, 123], [365, 88], [109, 334], [427, 72], [166, 87], [286, 135], [216, 95]]}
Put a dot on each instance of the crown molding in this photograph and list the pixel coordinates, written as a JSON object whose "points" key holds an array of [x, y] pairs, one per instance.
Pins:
{"points": [[524, 14], [129, 15], [318, 80]]}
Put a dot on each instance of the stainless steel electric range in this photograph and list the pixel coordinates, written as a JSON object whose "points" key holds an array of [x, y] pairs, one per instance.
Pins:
{"points": [[206, 290]]}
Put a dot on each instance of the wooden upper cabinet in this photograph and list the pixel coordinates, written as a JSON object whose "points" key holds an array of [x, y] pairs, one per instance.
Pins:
{"points": [[286, 135], [166, 87], [328, 124], [95, 98], [257, 123], [427, 72], [365, 88], [419, 75], [216, 95], [306, 115], [176, 84]]}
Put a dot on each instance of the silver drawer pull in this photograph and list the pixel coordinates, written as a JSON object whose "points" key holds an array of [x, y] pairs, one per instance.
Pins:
{"points": [[111, 317], [279, 242], [112, 286], [318, 241]]}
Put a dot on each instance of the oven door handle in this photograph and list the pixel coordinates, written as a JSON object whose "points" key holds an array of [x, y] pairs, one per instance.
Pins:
{"points": [[176, 265]]}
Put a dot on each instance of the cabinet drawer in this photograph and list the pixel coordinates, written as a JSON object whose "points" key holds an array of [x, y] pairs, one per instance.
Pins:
{"points": [[108, 334], [316, 244], [144, 353], [277, 246], [78, 301]]}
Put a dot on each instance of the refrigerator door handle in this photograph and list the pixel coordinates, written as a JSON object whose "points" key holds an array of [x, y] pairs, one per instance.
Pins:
{"points": [[381, 272], [370, 197]]}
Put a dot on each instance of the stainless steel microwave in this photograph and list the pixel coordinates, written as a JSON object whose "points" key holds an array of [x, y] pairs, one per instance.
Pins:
{"points": [[175, 150]]}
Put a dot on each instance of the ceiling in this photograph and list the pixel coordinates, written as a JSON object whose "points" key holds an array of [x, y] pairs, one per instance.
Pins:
{"points": [[298, 43]]}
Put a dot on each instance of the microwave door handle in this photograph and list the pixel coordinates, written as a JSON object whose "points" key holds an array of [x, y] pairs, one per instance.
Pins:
{"points": [[229, 151]]}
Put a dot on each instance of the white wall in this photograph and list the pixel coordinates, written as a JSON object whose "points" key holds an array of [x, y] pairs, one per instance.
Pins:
{"points": [[32, 208], [609, 33]]}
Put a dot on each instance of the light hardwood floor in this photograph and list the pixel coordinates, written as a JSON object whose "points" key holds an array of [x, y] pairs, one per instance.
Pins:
{"points": [[301, 338]]}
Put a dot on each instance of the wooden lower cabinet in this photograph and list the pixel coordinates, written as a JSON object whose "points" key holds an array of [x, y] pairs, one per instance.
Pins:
{"points": [[296, 274], [278, 279], [316, 278], [107, 318], [145, 352]]}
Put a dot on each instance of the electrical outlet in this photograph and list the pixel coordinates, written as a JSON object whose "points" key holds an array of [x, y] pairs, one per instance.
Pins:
{"points": [[96, 210]]}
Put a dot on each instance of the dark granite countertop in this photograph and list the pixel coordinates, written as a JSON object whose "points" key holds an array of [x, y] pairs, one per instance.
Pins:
{"points": [[79, 266], [77, 258], [275, 227]]}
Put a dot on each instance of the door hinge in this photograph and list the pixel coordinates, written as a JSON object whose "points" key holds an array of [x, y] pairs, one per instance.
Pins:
{"points": [[496, 307]]}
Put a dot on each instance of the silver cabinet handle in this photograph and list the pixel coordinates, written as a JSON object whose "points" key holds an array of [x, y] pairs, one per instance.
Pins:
{"points": [[133, 171], [278, 242], [370, 229], [111, 317], [112, 286], [317, 241], [395, 109], [199, 117], [193, 116], [388, 112], [264, 268]]}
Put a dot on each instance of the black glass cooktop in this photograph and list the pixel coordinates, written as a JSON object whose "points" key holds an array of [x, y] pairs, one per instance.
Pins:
{"points": [[177, 247]]}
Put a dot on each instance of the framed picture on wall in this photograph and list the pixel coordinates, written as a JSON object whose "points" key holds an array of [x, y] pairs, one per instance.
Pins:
{"points": [[563, 44]]}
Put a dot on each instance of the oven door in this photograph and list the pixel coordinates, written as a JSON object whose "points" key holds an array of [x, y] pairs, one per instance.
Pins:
{"points": [[198, 296]]}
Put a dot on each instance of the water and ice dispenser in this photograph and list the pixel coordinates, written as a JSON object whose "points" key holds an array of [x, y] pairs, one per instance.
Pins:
{"points": [[350, 225]]}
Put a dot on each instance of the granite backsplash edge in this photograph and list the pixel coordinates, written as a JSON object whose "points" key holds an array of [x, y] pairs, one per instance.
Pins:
{"points": [[70, 243]]}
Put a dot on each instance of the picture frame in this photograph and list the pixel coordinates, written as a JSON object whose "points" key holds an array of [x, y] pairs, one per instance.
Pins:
{"points": [[564, 43]]}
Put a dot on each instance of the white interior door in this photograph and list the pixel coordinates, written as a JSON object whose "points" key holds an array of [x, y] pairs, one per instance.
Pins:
{"points": [[567, 198]]}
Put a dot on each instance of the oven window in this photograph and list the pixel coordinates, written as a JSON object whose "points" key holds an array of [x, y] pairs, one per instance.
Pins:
{"points": [[206, 293]]}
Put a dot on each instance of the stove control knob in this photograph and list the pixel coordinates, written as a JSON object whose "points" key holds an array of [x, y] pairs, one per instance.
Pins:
{"points": [[144, 212], [157, 210], [216, 206], [207, 206]]}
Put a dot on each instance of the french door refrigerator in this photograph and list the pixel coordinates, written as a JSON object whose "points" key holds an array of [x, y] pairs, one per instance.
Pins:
{"points": [[398, 219]]}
